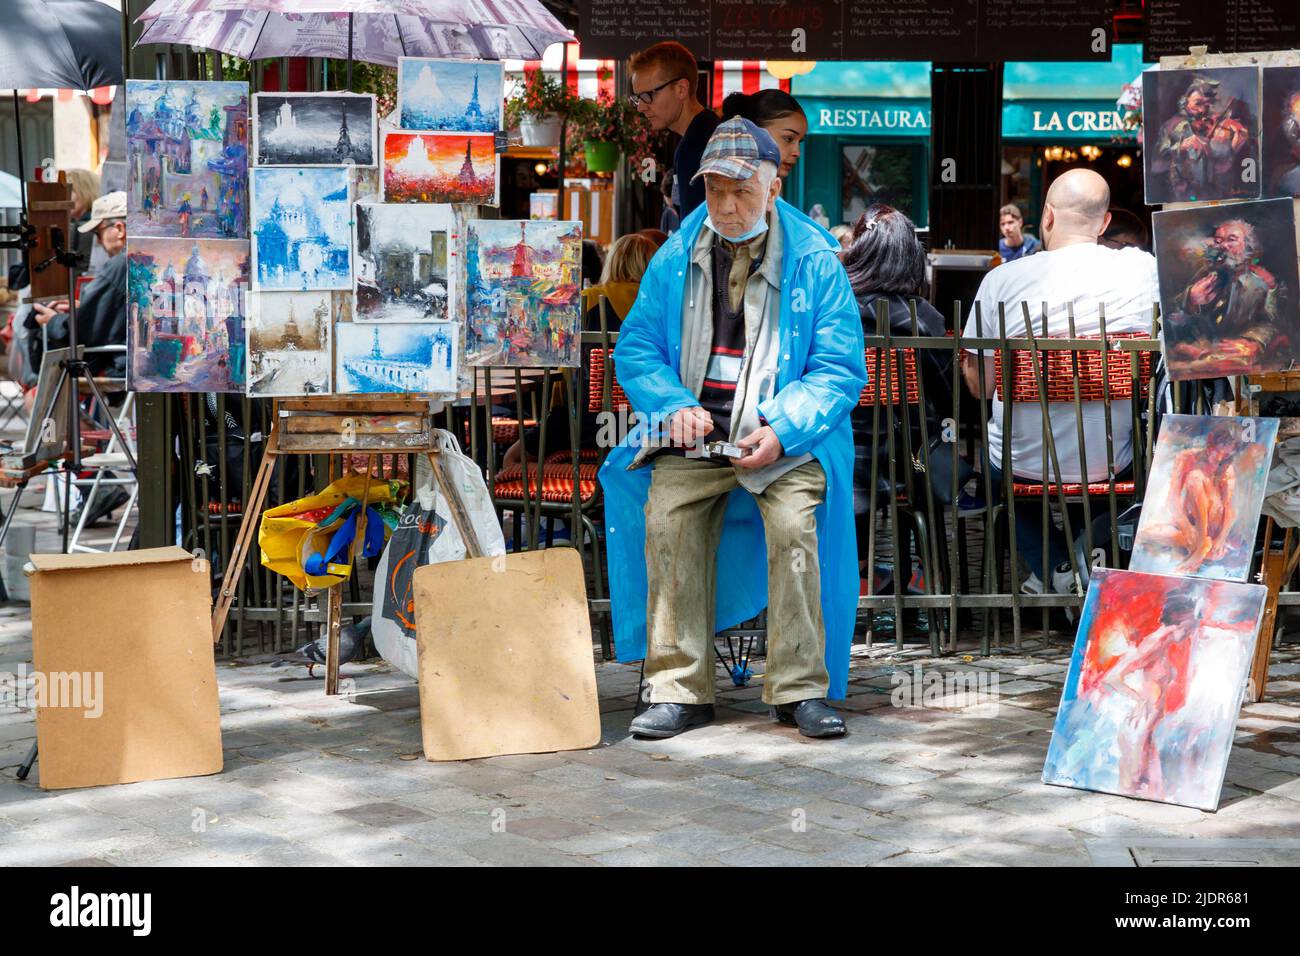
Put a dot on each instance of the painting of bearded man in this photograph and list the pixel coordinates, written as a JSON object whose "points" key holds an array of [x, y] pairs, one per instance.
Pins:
{"points": [[1227, 288], [1201, 134]]}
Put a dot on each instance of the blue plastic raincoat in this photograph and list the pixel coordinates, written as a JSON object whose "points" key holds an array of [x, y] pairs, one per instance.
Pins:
{"points": [[820, 378]]}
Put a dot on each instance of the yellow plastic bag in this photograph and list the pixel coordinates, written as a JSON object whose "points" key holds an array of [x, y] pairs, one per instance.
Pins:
{"points": [[283, 529]]}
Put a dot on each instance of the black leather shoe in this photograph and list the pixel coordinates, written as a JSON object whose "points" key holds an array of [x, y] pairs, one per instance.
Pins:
{"points": [[814, 718], [669, 720]]}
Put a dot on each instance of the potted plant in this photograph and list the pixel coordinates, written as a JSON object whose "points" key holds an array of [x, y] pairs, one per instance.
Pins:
{"points": [[606, 126], [539, 110]]}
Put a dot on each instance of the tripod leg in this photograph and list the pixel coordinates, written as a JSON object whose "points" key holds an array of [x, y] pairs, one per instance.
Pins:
{"points": [[4, 529], [25, 767]]}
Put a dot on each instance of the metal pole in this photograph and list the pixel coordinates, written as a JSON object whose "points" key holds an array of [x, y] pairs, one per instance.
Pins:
{"points": [[349, 53], [564, 132]]}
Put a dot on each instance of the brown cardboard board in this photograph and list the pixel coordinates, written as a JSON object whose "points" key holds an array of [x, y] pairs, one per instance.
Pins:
{"points": [[506, 664], [141, 620]]}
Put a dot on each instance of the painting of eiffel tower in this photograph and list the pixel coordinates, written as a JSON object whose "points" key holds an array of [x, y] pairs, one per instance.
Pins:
{"points": [[463, 96], [315, 129]]}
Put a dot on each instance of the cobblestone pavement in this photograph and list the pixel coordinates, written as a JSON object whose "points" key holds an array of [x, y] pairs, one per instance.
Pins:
{"points": [[313, 780], [316, 780]]}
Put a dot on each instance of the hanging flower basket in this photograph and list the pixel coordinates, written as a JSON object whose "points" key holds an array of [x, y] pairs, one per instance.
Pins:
{"points": [[540, 132]]}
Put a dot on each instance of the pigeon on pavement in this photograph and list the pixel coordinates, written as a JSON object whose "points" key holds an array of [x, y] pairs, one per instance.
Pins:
{"points": [[313, 653]]}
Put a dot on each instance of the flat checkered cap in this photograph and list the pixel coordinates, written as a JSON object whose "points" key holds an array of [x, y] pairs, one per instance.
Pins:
{"points": [[736, 148]]}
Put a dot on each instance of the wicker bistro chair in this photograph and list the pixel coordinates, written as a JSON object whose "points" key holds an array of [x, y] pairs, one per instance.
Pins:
{"points": [[894, 392], [1058, 377], [568, 490]]}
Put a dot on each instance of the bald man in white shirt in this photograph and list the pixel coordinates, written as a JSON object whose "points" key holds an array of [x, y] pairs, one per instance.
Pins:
{"points": [[1074, 271]]}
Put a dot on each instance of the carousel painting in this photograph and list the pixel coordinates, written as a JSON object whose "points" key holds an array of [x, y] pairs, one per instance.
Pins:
{"points": [[186, 309], [187, 159], [522, 292]]}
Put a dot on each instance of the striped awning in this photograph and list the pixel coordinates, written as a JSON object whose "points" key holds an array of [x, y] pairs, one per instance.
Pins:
{"points": [[591, 78]]}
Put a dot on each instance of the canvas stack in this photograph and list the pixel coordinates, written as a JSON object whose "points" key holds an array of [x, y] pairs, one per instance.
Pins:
{"points": [[521, 279], [1163, 650]]}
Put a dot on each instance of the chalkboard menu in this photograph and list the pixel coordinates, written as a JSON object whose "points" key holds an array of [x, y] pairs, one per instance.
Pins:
{"points": [[1224, 26], [911, 30], [942, 30]]}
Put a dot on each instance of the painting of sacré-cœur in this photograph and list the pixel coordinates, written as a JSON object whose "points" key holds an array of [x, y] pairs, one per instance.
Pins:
{"points": [[302, 237], [187, 159]]}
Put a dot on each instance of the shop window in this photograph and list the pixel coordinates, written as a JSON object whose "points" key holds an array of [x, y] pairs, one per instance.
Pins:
{"points": [[882, 173]]}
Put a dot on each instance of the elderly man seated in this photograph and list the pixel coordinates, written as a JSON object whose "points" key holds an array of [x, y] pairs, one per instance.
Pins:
{"points": [[741, 357]]}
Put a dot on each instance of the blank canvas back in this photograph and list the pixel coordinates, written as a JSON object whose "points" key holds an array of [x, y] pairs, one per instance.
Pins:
{"points": [[506, 663], [142, 619]]}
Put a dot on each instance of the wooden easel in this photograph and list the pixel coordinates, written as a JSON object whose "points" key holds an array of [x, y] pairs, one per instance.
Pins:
{"points": [[339, 425]]}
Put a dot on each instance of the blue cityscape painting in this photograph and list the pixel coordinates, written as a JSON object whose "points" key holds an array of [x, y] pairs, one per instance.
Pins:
{"points": [[462, 96], [419, 357], [302, 232]]}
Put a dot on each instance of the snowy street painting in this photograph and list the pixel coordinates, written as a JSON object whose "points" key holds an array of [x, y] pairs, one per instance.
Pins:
{"points": [[289, 344], [417, 357], [405, 257], [462, 96], [314, 129], [302, 237]]}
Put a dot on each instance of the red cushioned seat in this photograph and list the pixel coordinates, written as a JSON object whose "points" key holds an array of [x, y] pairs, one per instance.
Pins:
{"points": [[557, 482]]}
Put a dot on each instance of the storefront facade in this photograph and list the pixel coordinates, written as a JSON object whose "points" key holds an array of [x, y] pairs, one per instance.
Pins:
{"points": [[869, 134]]}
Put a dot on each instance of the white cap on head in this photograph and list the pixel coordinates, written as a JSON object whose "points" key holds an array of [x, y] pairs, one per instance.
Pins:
{"points": [[110, 206]]}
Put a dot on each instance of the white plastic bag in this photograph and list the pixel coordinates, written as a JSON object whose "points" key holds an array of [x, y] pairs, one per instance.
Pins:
{"points": [[427, 534]]}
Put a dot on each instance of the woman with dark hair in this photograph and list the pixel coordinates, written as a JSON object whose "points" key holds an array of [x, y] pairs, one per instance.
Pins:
{"points": [[886, 264], [777, 112]]}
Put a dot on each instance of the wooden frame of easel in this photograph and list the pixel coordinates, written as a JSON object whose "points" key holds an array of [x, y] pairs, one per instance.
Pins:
{"points": [[341, 425]]}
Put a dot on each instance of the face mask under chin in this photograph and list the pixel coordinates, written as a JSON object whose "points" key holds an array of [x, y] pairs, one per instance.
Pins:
{"points": [[757, 229]]}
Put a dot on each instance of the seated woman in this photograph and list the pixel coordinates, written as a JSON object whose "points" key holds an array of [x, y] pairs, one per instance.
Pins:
{"points": [[886, 263], [620, 279]]}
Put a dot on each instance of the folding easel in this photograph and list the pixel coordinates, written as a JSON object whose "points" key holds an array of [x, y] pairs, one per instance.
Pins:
{"points": [[340, 425]]}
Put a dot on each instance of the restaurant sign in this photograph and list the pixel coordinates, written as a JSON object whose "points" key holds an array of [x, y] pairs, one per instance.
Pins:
{"points": [[873, 116], [1064, 121]]}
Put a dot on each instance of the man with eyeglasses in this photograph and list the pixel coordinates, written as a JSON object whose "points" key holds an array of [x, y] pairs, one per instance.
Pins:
{"points": [[663, 91]]}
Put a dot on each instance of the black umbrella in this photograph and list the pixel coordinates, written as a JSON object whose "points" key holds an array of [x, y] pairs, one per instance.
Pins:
{"points": [[66, 44]]}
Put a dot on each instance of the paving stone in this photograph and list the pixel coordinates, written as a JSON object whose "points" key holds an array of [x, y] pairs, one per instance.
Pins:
{"points": [[765, 854], [507, 849], [382, 814], [546, 829]]}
